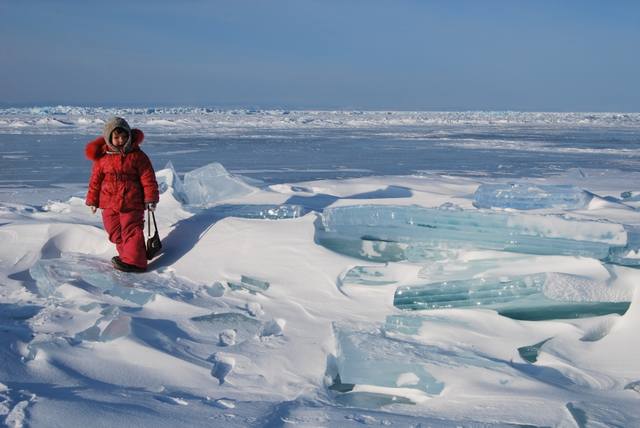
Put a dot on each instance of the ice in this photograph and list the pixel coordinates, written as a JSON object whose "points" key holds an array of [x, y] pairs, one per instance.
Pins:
{"points": [[106, 329], [629, 255], [212, 183], [275, 327], [207, 121], [394, 233], [218, 325], [368, 275], [85, 272], [529, 196], [594, 414], [215, 290], [227, 337], [369, 358], [266, 212], [253, 285], [533, 297], [630, 196], [98, 277], [633, 386], [168, 180], [453, 268], [464, 293], [530, 353], [222, 365]]}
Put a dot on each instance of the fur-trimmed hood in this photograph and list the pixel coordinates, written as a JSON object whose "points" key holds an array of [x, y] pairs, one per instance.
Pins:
{"points": [[98, 147]]}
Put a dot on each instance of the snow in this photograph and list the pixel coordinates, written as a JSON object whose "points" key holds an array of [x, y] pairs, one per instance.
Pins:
{"points": [[248, 319]]}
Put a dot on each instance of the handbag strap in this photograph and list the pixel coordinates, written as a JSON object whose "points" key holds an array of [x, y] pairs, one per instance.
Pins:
{"points": [[150, 215]]}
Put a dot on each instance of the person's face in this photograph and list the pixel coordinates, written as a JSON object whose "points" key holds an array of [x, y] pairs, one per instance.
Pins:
{"points": [[119, 137]]}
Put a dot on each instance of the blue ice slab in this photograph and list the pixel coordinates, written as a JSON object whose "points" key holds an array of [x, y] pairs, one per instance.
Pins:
{"points": [[264, 211], [369, 358], [475, 292], [630, 196], [529, 196], [394, 233], [519, 297], [629, 255], [368, 275], [99, 277], [210, 326], [212, 183], [168, 179], [530, 353], [251, 284], [106, 329]]}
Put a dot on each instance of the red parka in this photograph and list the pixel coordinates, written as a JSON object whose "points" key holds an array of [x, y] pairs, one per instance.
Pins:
{"points": [[121, 181]]}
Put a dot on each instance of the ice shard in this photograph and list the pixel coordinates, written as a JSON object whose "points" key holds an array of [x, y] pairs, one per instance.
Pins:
{"points": [[394, 233], [251, 284], [630, 196], [213, 325], [168, 180], [98, 276], [368, 275], [529, 196], [369, 358], [266, 212], [106, 329], [532, 297], [530, 353], [468, 293], [629, 255], [212, 183]]}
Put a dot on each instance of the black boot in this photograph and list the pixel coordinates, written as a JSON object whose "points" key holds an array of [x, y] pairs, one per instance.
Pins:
{"points": [[125, 267]]}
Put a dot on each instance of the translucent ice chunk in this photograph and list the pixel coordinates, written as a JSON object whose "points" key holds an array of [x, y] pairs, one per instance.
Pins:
{"points": [[634, 386], [47, 277], [403, 324], [530, 353], [96, 275], [528, 196], [212, 183], [629, 255], [215, 290], [532, 297], [402, 327], [464, 293], [630, 196], [368, 275], [168, 180], [369, 358], [253, 285], [214, 325], [106, 329], [393, 233], [267, 212], [451, 269], [118, 284]]}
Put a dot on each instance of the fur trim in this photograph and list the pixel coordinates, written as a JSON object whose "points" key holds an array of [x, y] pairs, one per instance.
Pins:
{"points": [[137, 137], [95, 149], [98, 147]]}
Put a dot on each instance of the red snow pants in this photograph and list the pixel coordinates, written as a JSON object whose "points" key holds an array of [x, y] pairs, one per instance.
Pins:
{"points": [[126, 230]]}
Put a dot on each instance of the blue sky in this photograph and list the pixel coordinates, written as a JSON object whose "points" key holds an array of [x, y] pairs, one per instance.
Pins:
{"points": [[361, 54]]}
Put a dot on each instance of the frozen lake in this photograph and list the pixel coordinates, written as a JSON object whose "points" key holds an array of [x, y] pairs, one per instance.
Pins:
{"points": [[281, 155]]}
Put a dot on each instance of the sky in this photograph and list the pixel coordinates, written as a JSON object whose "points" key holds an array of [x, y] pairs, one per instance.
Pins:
{"points": [[323, 54]]}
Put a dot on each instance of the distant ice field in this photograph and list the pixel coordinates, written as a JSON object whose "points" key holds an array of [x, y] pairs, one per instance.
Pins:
{"points": [[44, 147]]}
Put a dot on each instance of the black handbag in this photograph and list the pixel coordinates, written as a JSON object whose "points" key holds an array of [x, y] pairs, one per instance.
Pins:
{"points": [[153, 243]]}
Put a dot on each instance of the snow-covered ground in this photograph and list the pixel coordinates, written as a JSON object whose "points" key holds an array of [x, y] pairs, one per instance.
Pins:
{"points": [[249, 317]]}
